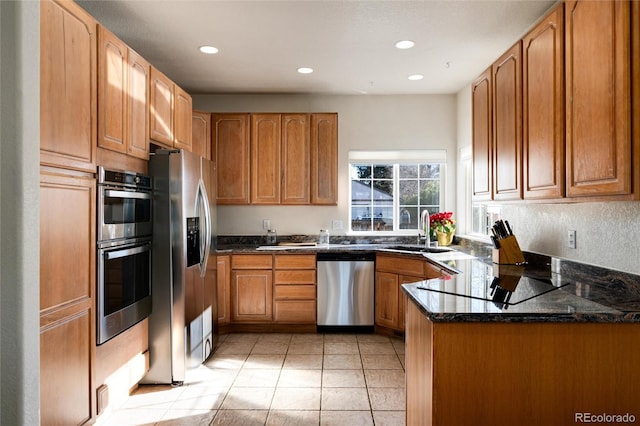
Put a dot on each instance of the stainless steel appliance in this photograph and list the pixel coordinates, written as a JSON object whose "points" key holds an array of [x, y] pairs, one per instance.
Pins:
{"points": [[345, 290], [182, 324], [123, 251]]}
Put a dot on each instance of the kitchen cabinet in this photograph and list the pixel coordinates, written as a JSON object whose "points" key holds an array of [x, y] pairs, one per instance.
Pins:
{"points": [[598, 98], [543, 159], [68, 86], [294, 279], [230, 152], [324, 159], [182, 116], [161, 109], [123, 93], [170, 113], [568, 366], [482, 136], [224, 289], [295, 148], [201, 134], [67, 290], [264, 157], [506, 73], [391, 272], [251, 288]]}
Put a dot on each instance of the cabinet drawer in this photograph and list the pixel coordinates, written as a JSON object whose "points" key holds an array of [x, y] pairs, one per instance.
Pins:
{"points": [[251, 261], [303, 276], [295, 292], [295, 261], [298, 311], [400, 265]]}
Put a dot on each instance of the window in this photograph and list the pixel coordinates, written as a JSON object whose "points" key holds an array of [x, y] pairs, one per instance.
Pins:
{"points": [[390, 196]]}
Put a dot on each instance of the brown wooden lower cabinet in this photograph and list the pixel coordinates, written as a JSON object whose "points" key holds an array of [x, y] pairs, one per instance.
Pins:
{"points": [[518, 373], [391, 272], [294, 281], [224, 289], [67, 288], [251, 288]]}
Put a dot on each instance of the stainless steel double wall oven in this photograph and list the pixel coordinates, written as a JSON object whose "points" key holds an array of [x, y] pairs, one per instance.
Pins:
{"points": [[123, 251]]}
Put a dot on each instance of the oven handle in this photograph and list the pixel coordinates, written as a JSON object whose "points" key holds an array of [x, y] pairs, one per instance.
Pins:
{"points": [[114, 254], [127, 194]]}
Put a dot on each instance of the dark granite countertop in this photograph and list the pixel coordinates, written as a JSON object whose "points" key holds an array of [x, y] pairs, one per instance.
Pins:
{"points": [[545, 290], [484, 292]]}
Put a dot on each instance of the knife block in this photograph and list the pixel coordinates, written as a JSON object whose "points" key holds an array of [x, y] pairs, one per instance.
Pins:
{"points": [[509, 252]]}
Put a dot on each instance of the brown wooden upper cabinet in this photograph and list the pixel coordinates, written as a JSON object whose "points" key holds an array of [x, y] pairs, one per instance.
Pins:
{"points": [[482, 131], [507, 125], [230, 151], [577, 141], [68, 87], [265, 158], [123, 93], [201, 134], [277, 158], [598, 98], [170, 113], [543, 156], [324, 158]]}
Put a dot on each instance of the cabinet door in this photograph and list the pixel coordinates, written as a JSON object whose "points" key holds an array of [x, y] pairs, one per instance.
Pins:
{"points": [[507, 125], [482, 152], [201, 134], [67, 289], [543, 163], [230, 151], [387, 299], [402, 298], [68, 86], [598, 98], [182, 114], [295, 159], [324, 159], [161, 109], [265, 158], [251, 295], [138, 126], [224, 290], [112, 91]]}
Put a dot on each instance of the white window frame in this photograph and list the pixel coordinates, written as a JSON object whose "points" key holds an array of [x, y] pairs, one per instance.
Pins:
{"points": [[396, 158]]}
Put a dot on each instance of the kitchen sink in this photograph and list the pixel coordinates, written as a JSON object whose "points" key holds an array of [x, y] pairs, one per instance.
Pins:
{"points": [[422, 249]]}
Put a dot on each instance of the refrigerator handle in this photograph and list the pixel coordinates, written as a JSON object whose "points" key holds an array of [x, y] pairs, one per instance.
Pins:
{"points": [[205, 247]]}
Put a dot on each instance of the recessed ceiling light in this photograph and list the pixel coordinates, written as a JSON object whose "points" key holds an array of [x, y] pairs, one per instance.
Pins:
{"points": [[405, 44], [415, 77], [305, 70], [209, 50]]}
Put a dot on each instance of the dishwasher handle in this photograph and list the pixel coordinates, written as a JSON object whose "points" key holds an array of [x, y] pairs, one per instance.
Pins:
{"points": [[345, 256]]}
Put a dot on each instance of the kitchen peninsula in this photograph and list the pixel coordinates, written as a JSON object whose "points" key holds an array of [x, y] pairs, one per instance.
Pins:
{"points": [[557, 348]]}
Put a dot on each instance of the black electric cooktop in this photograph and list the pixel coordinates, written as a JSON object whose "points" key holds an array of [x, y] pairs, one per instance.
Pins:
{"points": [[503, 285]]}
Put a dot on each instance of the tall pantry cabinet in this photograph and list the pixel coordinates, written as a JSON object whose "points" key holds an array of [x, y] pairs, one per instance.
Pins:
{"points": [[68, 129]]}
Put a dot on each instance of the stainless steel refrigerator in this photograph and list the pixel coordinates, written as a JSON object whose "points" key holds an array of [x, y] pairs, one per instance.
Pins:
{"points": [[182, 324]]}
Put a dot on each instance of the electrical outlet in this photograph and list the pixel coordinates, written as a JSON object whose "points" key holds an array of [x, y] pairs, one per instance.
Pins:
{"points": [[336, 225], [571, 238], [266, 224]]}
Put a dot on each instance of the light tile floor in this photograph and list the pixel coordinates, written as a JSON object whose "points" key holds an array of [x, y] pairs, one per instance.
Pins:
{"points": [[281, 379]]}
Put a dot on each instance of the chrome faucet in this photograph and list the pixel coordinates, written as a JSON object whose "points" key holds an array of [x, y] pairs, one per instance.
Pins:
{"points": [[425, 226]]}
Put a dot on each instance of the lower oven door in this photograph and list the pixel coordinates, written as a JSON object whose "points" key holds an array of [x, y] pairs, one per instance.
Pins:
{"points": [[124, 286]]}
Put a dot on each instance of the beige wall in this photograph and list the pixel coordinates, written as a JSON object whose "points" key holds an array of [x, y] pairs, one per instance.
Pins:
{"points": [[607, 234], [364, 122]]}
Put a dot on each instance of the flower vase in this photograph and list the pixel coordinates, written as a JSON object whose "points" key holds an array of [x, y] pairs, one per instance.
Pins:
{"points": [[444, 238]]}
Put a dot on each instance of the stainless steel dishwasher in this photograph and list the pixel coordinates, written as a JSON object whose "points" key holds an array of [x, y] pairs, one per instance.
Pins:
{"points": [[346, 291]]}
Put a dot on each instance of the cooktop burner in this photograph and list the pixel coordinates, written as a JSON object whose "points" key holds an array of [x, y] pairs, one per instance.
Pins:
{"points": [[503, 285]]}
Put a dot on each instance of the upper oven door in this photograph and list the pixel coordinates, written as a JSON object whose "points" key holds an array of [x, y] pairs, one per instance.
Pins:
{"points": [[123, 214]]}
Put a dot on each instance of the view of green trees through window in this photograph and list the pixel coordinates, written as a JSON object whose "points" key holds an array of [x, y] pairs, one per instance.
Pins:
{"points": [[390, 197]]}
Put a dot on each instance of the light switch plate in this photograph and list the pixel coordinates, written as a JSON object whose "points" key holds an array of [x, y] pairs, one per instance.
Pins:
{"points": [[266, 224], [571, 238], [336, 225]]}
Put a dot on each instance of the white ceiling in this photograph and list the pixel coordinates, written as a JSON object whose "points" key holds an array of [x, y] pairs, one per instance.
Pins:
{"points": [[349, 44]]}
